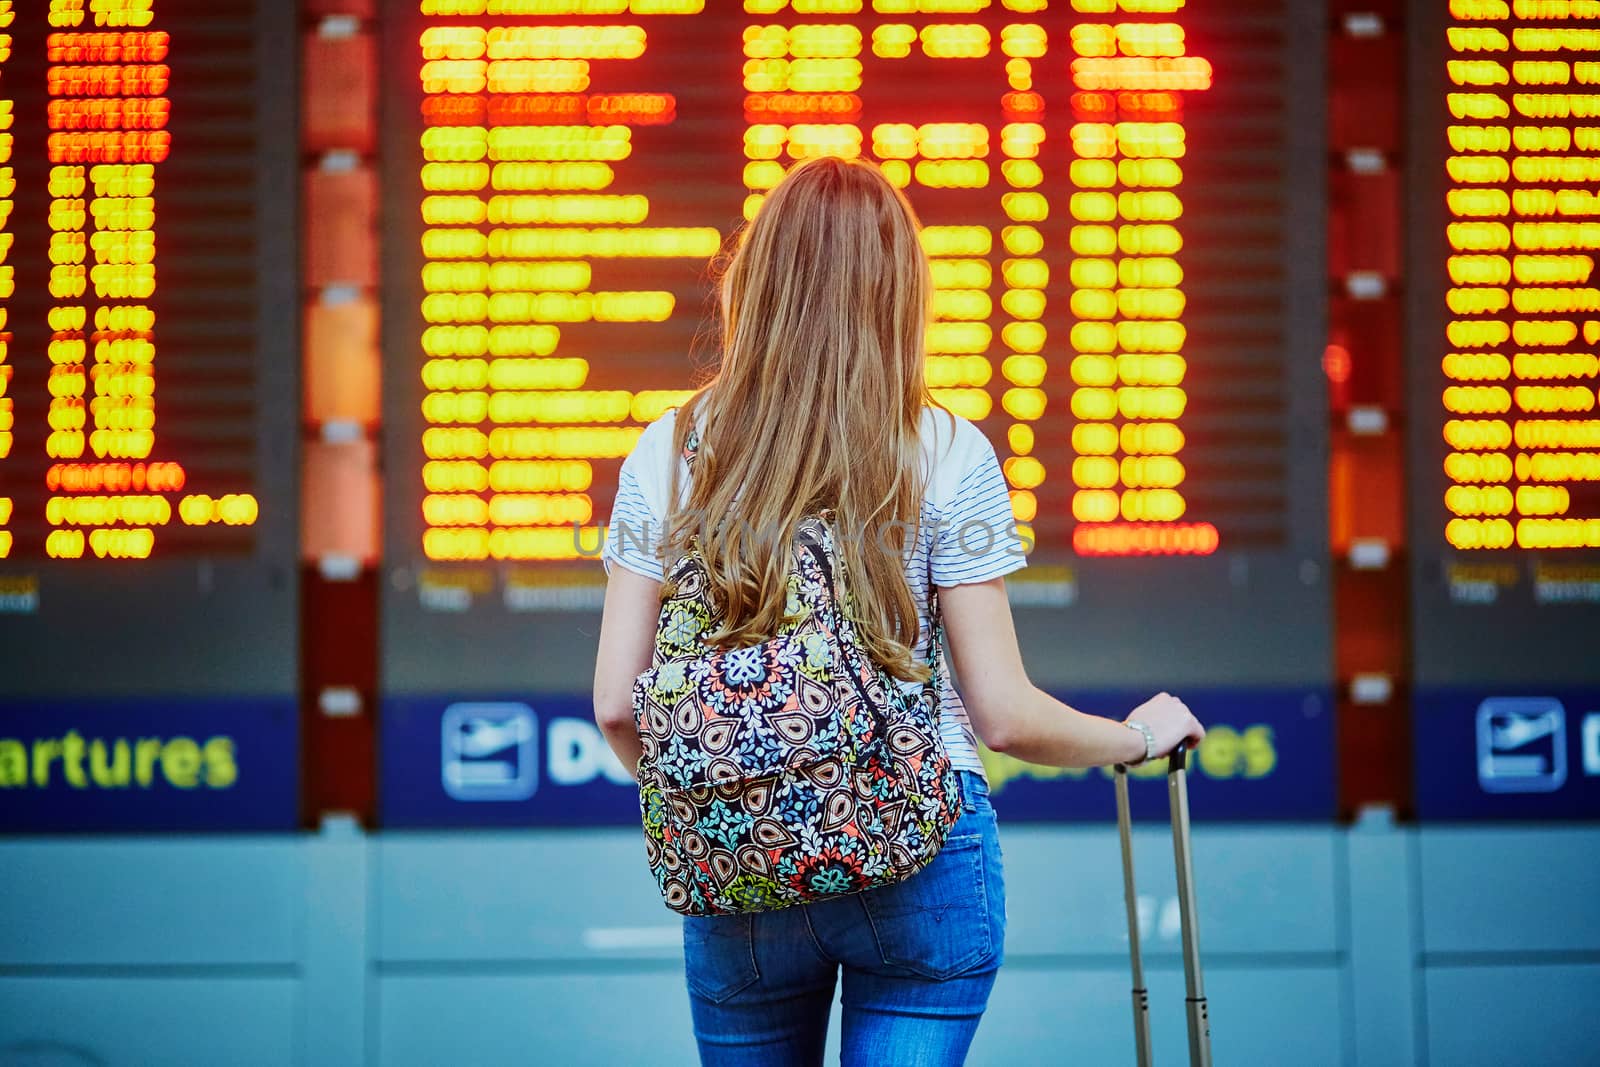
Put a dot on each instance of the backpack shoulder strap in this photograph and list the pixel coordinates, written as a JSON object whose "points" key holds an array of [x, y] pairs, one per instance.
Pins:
{"points": [[691, 449]]}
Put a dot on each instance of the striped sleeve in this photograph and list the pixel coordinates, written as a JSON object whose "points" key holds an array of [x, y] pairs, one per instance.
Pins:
{"points": [[638, 516], [977, 537]]}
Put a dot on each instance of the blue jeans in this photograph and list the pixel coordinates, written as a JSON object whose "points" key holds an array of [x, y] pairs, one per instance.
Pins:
{"points": [[919, 959]]}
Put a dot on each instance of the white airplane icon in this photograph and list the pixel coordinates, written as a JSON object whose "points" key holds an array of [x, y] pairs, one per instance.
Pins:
{"points": [[481, 737], [1513, 731]]}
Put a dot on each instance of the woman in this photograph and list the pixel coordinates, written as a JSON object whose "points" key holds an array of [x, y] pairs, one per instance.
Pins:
{"points": [[820, 402]]}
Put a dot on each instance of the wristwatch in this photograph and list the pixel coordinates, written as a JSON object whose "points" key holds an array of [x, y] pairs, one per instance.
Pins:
{"points": [[1149, 741]]}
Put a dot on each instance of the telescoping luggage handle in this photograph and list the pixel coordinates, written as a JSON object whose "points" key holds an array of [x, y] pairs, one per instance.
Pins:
{"points": [[1199, 1020]]}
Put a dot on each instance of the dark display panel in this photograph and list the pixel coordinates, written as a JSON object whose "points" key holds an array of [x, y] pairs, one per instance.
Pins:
{"points": [[148, 415], [1124, 209], [1505, 438]]}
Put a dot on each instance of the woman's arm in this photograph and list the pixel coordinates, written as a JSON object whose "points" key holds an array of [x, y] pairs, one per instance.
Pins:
{"points": [[627, 634], [1014, 716]]}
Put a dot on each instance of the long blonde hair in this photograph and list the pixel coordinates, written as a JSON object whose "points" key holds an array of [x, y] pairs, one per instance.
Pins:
{"points": [[816, 404]]}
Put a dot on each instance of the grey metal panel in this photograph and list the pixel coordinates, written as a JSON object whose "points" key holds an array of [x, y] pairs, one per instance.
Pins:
{"points": [[1239, 619], [1385, 1023], [110, 902], [568, 1019], [1261, 892], [548, 895], [1511, 1014], [241, 1021], [487, 896], [1522, 889], [336, 965], [160, 952], [1034, 1016], [1259, 1015]]}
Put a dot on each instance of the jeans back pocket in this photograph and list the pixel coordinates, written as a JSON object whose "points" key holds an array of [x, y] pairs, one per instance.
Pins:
{"points": [[719, 955], [936, 923]]}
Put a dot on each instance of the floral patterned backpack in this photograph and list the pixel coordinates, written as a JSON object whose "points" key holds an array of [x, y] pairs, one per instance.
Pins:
{"points": [[792, 770]]}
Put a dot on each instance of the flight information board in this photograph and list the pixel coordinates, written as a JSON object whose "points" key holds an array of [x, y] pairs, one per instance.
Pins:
{"points": [[1505, 436], [1123, 205], [148, 414]]}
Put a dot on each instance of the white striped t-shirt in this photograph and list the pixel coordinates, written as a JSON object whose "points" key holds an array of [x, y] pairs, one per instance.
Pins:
{"points": [[967, 532]]}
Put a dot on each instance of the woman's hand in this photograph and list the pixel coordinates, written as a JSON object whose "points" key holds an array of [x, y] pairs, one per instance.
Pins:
{"points": [[1015, 717], [1171, 721]]}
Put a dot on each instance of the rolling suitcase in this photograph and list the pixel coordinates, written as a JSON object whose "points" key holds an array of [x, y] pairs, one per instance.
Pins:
{"points": [[1199, 1021]]}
